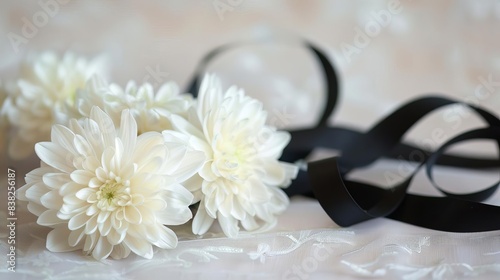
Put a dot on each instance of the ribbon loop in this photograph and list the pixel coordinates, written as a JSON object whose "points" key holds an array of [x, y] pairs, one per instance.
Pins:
{"points": [[349, 202]]}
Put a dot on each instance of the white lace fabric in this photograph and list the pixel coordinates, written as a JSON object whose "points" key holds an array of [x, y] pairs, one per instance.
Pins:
{"points": [[312, 248]]}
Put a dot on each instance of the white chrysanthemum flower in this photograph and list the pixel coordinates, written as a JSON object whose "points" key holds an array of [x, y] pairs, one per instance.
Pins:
{"points": [[110, 192], [37, 99], [241, 180], [97, 93], [151, 110]]}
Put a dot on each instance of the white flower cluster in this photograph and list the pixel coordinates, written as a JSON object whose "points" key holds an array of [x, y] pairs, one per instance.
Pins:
{"points": [[37, 99], [120, 165]]}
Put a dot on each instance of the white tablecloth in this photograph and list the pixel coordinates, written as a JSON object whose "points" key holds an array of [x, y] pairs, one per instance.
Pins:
{"points": [[420, 47]]}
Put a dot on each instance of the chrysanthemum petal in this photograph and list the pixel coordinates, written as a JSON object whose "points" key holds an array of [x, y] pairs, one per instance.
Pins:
{"points": [[55, 180], [139, 246], [36, 191], [54, 155], [202, 221], [75, 237], [69, 188], [128, 131], [106, 126], [229, 225], [210, 94], [57, 240], [177, 196], [275, 173], [260, 192], [82, 177], [102, 217], [120, 251], [172, 217], [182, 125], [102, 249], [237, 210], [36, 209], [51, 200], [82, 146], [91, 225], [132, 215], [90, 242], [194, 184], [190, 165], [49, 218], [167, 239], [105, 228], [115, 238], [275, 144], [63, 136], [249, 223], [78, 221]]}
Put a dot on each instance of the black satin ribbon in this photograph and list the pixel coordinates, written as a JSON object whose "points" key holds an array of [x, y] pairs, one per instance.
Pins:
{"points": [[350, 202]]}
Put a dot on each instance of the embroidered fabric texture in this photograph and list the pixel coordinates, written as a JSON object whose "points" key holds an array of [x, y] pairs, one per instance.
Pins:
{"points": [[367, 250]]}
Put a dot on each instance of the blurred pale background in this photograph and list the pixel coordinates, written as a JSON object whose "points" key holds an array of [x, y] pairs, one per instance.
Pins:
{"points": [[399, 50], [407, 49]]}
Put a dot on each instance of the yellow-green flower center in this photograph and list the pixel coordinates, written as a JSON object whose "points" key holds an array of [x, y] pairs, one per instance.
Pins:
{"points": [[108, 190], [234, 161], [113, 194]]}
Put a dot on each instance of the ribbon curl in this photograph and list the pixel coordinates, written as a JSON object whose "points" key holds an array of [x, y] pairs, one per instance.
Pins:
{"points": [[349, 202]]}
